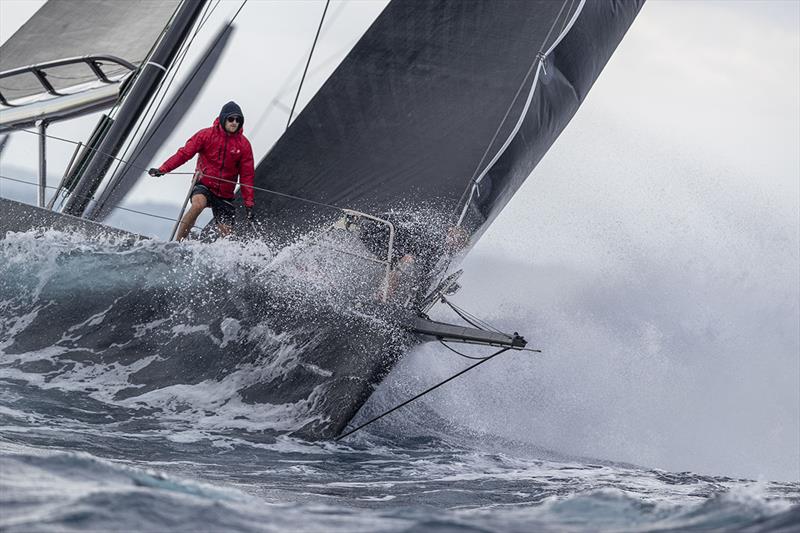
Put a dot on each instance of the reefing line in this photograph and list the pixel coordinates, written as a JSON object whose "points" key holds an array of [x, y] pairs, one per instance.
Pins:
{"points": [[540, 58]]}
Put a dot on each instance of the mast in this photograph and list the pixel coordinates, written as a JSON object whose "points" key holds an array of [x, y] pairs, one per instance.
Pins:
{"points": [[134, 104]]}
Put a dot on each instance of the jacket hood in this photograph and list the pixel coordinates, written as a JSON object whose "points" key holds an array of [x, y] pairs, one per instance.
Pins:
{"points": [[231, 108]]}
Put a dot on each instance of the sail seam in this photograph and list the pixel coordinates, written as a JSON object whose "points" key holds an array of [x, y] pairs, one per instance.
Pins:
{"points": [[476, 182]]}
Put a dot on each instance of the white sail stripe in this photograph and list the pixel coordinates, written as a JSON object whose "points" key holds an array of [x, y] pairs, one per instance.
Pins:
{"points": [[162, 67], [521, 118]]}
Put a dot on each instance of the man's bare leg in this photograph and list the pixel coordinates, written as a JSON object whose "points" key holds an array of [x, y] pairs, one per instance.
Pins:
{"points": [[199, 202], [403, 268], [224, 229]]}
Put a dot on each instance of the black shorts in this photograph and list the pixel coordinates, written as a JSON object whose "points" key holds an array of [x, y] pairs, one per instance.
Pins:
{"points": [[223, 209]]}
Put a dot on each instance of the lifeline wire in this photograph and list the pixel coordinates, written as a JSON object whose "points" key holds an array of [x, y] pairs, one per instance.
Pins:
{"points": [[144, 169], [91, 198], [423, 393]]}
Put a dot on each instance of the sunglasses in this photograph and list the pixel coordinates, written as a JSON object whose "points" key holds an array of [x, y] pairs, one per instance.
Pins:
{"points": [[237, 120]]}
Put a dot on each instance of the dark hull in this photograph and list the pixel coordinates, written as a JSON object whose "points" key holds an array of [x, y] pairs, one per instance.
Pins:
{"points": [[19, 217], [149, 311]]}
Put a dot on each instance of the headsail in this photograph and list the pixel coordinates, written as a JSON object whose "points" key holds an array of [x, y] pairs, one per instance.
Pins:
{"points": [[565, 75], [431, 99]]}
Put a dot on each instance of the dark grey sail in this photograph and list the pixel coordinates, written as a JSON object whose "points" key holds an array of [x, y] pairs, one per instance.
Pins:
{"points": [[427, 100], [72, 28], [565, 77], [443, 104]]}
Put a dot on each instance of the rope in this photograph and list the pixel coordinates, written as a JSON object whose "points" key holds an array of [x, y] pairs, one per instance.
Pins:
{"points": [[299, 88], [50, 136], [276, 193], [132, 79], [459, 353], [470, 318], [165, 85], [423, 393], [177, 65], [255, 128], [472, 184]]}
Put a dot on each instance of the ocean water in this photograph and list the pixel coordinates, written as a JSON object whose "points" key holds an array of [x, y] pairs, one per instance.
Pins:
{"points": [[90, 440]]}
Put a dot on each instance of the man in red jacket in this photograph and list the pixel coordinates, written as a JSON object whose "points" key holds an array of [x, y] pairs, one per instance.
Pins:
{"points": [[225, 155]]}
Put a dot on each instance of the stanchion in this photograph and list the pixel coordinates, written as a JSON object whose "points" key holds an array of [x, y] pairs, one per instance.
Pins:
{"points": [[183, 208]]}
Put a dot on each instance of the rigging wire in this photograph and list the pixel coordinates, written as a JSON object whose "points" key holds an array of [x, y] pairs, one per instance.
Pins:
{"points": [[459, 353], [177, 65], [287, 82], [163, 84], [153, 215], [423, 393], [469, 317], [305, 71], [472, 184], [567, 16], [130, 81], [269, 191], [174, 72], [463, 315], [144, 169]]}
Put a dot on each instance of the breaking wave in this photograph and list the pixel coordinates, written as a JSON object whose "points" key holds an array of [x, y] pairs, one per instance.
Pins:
{"points": [[190, 329], [152, 386]]}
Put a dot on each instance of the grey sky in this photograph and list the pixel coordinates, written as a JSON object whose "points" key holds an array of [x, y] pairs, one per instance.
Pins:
{"points": [[653, 253], [719, 77]]}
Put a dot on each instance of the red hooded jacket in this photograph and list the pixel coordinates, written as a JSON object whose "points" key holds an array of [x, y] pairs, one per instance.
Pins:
{"points": [[222, 155]]}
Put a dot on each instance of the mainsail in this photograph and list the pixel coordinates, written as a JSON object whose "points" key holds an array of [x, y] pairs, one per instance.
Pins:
{"points": [[449, 104]]}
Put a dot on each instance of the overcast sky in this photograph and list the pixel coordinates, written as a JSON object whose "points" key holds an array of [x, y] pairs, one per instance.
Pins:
{"points": [[717, 77], [653, 252]]}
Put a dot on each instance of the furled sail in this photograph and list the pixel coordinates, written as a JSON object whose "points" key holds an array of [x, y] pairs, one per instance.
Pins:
{"points": [[446, 104]]}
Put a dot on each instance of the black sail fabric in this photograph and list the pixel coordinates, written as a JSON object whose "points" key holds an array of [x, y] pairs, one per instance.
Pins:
{"points": [[428, 98], [126, 176], [70, 28], [568, 73]]}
